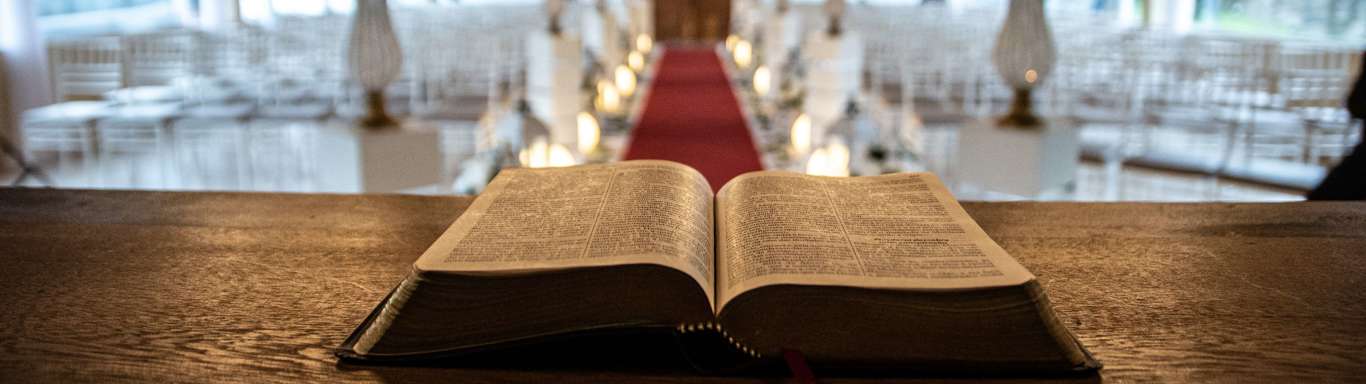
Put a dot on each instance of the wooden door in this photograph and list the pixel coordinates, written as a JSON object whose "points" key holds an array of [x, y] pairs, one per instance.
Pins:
{"points": [[692, 20]]}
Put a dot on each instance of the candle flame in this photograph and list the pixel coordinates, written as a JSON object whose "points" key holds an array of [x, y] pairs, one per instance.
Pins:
{"points": [[626, 81], [636, 60], [801, 133], [744, 54], [589, 132], [644, 43], [762, 79]]}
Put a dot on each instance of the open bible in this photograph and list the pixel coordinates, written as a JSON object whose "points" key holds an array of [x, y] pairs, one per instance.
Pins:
{"points": [[876, 271]]}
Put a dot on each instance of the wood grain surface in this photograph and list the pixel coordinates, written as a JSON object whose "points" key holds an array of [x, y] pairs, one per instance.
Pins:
{"points": [[110, 286]]}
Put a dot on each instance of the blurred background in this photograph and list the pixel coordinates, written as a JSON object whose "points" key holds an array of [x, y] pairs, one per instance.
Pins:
{"points": [[1136, 100]]}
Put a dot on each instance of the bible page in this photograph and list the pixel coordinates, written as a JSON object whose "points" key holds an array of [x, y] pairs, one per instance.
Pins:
{"points": [[901, 231], [528, 220]]}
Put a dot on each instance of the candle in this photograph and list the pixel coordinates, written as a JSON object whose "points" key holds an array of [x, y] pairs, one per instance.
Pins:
{"points": [[801, 134], [744, 54], [626, 81], [589, 132], [762, 79], [636, 60], [644, 43]]}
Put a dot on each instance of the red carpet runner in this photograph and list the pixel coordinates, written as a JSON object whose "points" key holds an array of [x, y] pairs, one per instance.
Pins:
{"points": [[692, 117]]}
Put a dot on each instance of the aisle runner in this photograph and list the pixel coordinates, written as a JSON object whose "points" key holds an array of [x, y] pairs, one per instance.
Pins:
{"points": [[692, 117]]}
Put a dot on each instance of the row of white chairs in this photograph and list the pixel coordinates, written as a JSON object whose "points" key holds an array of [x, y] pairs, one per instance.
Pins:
{"points": [[1256, 98], [165, 93]]}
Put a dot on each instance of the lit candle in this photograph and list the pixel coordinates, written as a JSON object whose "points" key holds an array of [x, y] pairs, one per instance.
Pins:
{"points": [[609, 100], [801, 134], [730, 42], [535, 155], [589, 132], [559, 156], [838, 160], [816, 165], [644, 43], [761, 80], [744, 54], [626, 81], [636, 60]]}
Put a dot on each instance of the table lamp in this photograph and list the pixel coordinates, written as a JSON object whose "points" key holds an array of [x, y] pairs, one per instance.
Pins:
{"points": [[835, 10], [375, 58], [1024, 55], [553, 9]]}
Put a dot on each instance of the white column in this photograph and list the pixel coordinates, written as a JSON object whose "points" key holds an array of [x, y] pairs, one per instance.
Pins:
{"points": [[782, 34], [612, 52], [1127, 14], [1177, 15], [219, 14], [23, 56], [641, 18], [184, 10], [554, 71], [833, 65]]}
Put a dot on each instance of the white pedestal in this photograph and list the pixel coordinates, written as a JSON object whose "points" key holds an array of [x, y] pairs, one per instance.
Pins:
{"points": [[641, 19], [1016, 161], [355, 160], [832, 76], [602, 36], [782, 34], [554, 72]]}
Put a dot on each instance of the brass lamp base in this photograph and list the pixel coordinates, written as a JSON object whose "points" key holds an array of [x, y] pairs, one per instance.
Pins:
{"points": [[1021, 114], [376, 118]]}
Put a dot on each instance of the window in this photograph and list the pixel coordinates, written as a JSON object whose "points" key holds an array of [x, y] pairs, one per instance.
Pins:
{"points": [[70, 18], [66, 7]]}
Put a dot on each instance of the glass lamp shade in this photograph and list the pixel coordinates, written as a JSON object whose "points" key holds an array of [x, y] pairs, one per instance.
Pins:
{"points": [[835, 10], [1024, 52], [374, 57], [553, 9]]}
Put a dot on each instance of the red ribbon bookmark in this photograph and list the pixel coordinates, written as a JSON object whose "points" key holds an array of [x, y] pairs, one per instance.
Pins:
{"points": [[796, 362]]}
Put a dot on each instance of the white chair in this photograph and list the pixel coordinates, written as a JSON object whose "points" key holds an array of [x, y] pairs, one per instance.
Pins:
{"points": [[85, 69], [130, 137], [65, 129]]}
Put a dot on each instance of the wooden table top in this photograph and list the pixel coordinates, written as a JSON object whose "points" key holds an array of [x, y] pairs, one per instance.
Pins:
{"points": [[101, 286]]}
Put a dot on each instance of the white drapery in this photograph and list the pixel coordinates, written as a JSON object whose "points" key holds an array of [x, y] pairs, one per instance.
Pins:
{"points": [[24, 60]]}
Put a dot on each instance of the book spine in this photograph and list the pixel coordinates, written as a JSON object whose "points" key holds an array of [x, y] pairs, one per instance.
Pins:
{"points": [[389, 311]]}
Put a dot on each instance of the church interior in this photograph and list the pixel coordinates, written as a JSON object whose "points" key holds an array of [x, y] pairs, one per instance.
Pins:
{"points": [[1073, 100]]}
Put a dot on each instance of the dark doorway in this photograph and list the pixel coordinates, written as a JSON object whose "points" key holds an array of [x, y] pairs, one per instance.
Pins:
{"points": [[692, 20]]}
